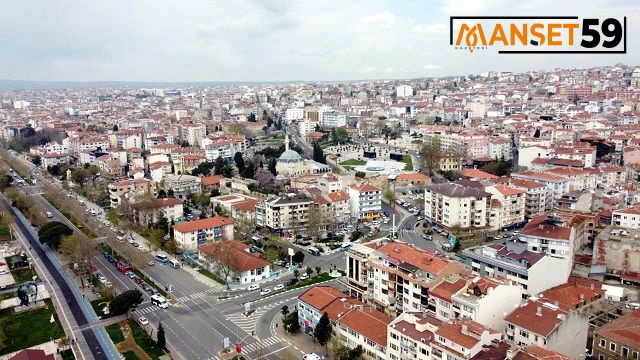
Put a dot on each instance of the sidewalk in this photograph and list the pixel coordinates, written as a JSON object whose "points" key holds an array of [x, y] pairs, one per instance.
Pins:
{"points": [[303, 343]]}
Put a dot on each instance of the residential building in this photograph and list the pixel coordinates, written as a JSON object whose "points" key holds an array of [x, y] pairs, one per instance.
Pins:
{"points": [[365, 201], [193, 234], [182, 185], [557, 185], [287, 213], [536, 193], [244, 266], [551, 235], [511, 209], [462, 339], [149, 212], [515, 263], [452, 204], [411, 335], [628, 218], [547, 325], [619, 339], [128, 189]]}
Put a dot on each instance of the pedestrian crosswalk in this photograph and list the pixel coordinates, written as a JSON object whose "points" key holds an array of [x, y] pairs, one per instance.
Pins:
{"points": [[146, 310], [256, 348], [197, 295], [247, 323]]}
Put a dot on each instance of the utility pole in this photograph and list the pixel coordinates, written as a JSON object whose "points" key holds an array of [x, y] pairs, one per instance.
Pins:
{"points": [[393, 215]]}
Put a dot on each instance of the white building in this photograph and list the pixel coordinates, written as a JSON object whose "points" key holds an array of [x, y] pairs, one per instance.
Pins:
{"points": [[404, 91], [193, 234], [365, 201], [293, 114], [626, 218]]}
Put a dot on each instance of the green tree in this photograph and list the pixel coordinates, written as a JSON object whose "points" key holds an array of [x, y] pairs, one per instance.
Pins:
{"points": [[323, 330], [162, 194], [239, 160], [161, 342], [298, 257], [290, 322], [125, 301], [53, 232], [79, 176], [37, 160], [218, 165], [249, 170], [284, 310], [318, 269], [308, 271], [272, 167], [318, 154], [252, 117], [227, 171]]}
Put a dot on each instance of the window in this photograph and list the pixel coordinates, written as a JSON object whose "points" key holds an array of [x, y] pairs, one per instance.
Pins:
{"points": [[612, 346], [600, 357], [625, 352], [524, 334]]}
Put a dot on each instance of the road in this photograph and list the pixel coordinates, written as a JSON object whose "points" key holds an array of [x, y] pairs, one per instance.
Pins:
{"points": [[98, 344]]}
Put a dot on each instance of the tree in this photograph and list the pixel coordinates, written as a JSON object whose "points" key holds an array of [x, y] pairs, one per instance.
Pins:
{"points": [[431, 154], [318, 269], [296, 272], [317, 224], [309, 271], [318, 154], [272, 167], [323, 330], [239, 160], [161, 342], [53, 232], [266, 180], [115, 128], [249, 170], [218, 165], [37, 160], [126, 301], [162, 194], [252, 117], [227, 171], [79, 176], [298, 257], [79, 249], [290, 322], [284, 310], [222, 258], [5, 181]]}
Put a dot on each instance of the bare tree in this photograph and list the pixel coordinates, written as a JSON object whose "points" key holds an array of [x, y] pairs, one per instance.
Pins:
{"points": [[79, 249], [431, 154], [222, 258], [317, 224]]}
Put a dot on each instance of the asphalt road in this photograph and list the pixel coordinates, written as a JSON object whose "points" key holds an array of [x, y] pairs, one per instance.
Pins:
{"points": [[97, 351]]}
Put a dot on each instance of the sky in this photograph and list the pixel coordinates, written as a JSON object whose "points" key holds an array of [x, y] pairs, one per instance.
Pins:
{"points": [[270, 40]]}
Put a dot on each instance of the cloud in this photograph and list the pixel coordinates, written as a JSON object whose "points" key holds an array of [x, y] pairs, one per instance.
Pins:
{"points": [[432, 67]]}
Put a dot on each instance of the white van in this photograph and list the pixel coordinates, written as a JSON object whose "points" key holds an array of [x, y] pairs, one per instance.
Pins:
{"points": [[159, 301], [174, 263], [49, 215], [81, 202]]}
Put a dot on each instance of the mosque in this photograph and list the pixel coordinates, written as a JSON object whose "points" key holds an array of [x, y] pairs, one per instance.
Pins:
{"points": [[291, 164]]}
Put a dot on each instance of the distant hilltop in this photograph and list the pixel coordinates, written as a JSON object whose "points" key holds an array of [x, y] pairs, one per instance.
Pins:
{"points": [[6, 84]]}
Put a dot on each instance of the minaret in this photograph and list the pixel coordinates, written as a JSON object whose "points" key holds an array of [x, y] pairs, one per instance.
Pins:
{"points": [[286, 142]]}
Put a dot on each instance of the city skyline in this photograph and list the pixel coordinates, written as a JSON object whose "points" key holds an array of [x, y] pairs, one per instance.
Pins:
{"points": [[270, 42]]}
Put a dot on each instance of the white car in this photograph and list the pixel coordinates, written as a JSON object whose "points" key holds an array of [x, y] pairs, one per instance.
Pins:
{"points": [[131, 241], [278, 287], [143, 320], [4, 272], [253, 287], [304, 276], [311, 356], [265, 292]]}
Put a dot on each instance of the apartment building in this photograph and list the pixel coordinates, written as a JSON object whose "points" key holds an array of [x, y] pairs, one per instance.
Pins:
{"points": [[340, 205], [619, 339], [182, 185], [515, 263], [452, 204], [462, 339], [481, 299], [551, 235], [192, 234], [287, 213], [149, 212], [193, 133], [535, 200], [500, 149], [510, 207], [410, 336], [557, 185], [365, 201], [128, 189], [398, 276], [627, 218], [548, 326]]}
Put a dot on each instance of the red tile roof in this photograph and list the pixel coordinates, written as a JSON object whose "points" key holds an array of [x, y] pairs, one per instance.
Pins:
{"points": [[526, 317], [455, 333], [211, 180], [624, 331], [235, 254], [535, 352], [447, 288], [477, 174], [369, 322], [423, 259], [208, 223]]}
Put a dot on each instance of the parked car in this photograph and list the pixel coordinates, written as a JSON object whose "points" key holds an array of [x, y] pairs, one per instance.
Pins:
{"points": [[291, 282], [4, 272], [143, 321], [137, 280], [131, 275], [151, 263], [253, 287], [278, 287], [304, 276], [265, 291]]}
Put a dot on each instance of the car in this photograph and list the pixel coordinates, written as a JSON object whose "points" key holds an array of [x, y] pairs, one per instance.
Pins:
{"points": [[143, 321], [151, 263], [135, 244], [311, 356], [4, 272], [131, 275], [145, 286], [137, 280], [265, 291], [101, 278], [120, 238], [131, 241], [253, 287], [278, 287], [69, 195], [291, 282], [108, 284], [304, 276]]}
